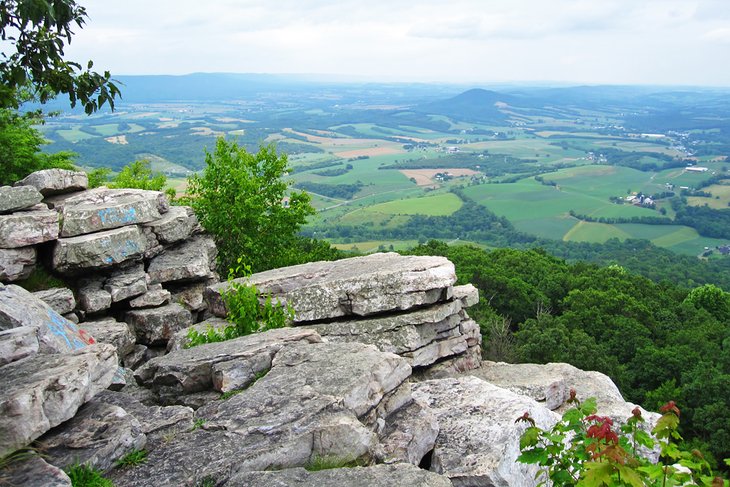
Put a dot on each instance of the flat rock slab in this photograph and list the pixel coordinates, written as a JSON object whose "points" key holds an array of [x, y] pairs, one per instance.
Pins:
{"points": [[358, 286], [478, 441], [180, 339], [25, 228], [18, 198], [104, 209], [422, 337], [97, 436], [98, 250], [200, 368], [318, 400], [155, 326], [61, 299], [56, 181], [42, 391], [54, 333], [191, 260], [154, 296], [177, 224], [396, 475], [17, 264]]}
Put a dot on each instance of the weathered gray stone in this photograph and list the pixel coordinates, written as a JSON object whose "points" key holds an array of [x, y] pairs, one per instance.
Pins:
{"points": [[18, 343], [25, 228], [199, 368], [92, 298], [104, 209], [137, 357], [191, 294], [17, 264], [180, 339], [55, 333], [398, 475], [155, 326], [44, 390], [358, 286], [177, 224], [18, 198], [56, 181], [423, 336], [98, 250], [467, 294], [480, 448], [193, 259], [61, 299], [410, 434], [154, 296], [158, 423], [97, 436], [453, 366], [33, 471], [318, 400], [550, 384], [110, 331], [126, 282]]}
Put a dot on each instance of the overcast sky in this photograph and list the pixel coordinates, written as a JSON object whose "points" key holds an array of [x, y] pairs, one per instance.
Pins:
{"points": [[589, 41]]}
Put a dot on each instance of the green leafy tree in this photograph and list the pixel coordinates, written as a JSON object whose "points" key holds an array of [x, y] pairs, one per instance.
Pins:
{"points": [[138, 175], [20, 146], [241, 199], [34, 34]]}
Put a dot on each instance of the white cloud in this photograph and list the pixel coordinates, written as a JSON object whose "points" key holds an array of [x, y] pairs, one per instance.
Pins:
{"points": [[577, 40]]}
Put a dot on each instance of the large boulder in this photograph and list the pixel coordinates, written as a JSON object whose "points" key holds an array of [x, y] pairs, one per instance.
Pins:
{"points": [[17, 264], [18, 343], [191, 260], [42, 391], [358, 286], [104, 209], [53, 332], [56, 181], [318, 400], [177, 224], [29, 227], [478, 441], [551, 383], [98, 250], [18, 198], [378, 475], [97, 436]]}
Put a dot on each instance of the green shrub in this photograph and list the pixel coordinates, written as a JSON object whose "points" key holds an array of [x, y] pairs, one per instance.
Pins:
{"points": [[245, 312]]}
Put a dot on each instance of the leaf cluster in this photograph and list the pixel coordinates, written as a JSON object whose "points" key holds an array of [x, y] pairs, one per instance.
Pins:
{"points": [[585, 450], [37, 32]]}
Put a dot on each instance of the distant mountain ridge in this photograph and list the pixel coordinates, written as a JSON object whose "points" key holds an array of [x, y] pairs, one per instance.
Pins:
{"points": [[476, 104]]}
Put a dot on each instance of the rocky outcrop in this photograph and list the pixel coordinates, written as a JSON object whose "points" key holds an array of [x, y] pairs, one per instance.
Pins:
{"points": [[381, 367], [480, 448]]}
